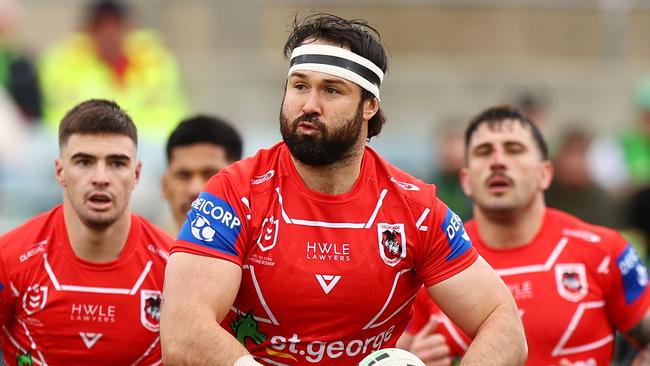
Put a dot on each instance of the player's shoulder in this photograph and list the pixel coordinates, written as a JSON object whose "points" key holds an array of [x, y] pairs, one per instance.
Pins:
{"points": [[400, 182], [580, 231], [155, 240], [255, 173], [29, 238]]}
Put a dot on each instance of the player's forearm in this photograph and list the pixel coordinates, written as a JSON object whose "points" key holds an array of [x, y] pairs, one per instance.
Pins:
{"points": [[499, 341], [194, 340]]}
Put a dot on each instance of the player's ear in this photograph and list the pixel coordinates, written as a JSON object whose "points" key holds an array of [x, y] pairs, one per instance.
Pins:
{"points": [[164, 185], [545, 174], [370, 108], [137, 172], [58, 172], [464, 181]]}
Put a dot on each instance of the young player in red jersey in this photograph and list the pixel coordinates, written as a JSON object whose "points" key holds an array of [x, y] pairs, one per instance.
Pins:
{"points": [[575, 283], [81, 284], [311, 252]]}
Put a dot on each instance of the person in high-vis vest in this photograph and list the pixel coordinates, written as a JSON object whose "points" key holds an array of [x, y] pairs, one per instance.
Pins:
{"points": [[109, 59]]}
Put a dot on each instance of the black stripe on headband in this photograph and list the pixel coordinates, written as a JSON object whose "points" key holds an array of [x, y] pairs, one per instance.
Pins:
{"points": [[359, 69]]}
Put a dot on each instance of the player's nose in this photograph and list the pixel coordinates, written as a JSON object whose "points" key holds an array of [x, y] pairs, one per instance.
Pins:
{"points": [[100, 174], [497, 160], [312, 103], [195, 186]]}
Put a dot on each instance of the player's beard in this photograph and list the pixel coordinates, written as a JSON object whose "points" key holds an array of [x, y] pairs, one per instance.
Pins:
{"points": [[330, 147]]}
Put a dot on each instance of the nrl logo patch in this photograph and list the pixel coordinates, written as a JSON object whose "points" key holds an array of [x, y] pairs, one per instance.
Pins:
{"points": [[269, 234], [392, 243], [571, 281], [34, 299], [150, 301]]}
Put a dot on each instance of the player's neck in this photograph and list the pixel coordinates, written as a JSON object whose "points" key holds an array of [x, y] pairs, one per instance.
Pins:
{"points": [[94, 244], [510, 229], [337, 178]]}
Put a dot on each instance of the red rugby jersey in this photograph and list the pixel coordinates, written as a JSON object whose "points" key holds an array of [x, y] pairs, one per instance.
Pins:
{"points": [[327, 279], [56, 309], [575, 284]]}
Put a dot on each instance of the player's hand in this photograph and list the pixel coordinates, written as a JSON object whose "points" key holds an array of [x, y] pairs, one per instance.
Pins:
{"points": [[431, 347]]}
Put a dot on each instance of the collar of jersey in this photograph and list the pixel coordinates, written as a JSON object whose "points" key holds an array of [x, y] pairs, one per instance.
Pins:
{"points": [[358, 188], [127, 251]]}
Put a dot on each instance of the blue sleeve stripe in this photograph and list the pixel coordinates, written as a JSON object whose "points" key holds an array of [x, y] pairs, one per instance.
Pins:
{"points": [[457, 238], [212, 223], [634, 274]]}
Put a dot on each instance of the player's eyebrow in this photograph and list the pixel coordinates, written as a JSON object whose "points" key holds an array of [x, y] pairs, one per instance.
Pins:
{"points": [[300, 75], [82, 155]]}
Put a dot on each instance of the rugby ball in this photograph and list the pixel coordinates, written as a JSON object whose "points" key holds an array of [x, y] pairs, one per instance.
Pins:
{"points": [[391, 357]]}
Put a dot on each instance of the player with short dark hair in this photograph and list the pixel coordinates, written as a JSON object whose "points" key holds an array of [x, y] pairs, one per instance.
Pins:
{"points": [[312, 251], [198, 148], [81, 284], [575, 283]]}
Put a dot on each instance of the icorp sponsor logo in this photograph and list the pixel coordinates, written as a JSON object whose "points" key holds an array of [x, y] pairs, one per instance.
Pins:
{"points": [[635, 275], [457, 237], [212, 222]]}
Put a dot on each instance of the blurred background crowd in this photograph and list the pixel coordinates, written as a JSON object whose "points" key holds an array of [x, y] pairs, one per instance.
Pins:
{"points": [[578, 68]]}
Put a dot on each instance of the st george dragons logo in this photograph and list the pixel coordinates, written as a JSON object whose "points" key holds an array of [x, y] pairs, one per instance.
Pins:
{"points": [[571, 281], [392, 243]]}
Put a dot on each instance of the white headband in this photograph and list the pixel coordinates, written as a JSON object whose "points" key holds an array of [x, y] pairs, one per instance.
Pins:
{"points": [[339, 62]]}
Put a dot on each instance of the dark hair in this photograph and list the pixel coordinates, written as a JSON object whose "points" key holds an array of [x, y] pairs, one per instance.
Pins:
{"points": [[209, 129], [363, 39], [495, 116], [98, 10], [97, 116]]}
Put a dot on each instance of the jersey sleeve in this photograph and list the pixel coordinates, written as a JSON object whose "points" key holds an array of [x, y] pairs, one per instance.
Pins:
{"points": [[446, 249], [628, 297], [216, 223]]}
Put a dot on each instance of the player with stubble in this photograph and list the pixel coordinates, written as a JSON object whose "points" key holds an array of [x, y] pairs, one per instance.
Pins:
{"points": [[254, 277], [576, 284], [81, 284]]}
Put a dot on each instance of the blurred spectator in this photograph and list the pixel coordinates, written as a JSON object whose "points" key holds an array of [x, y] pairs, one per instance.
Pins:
{"points": [[622, 164], [110, 59], [197, 149], [17, 73], [450, 160], [534, 106], [573, 189]]}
